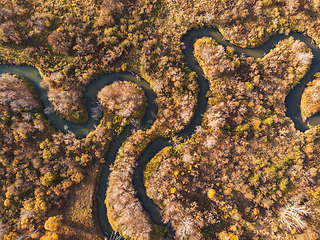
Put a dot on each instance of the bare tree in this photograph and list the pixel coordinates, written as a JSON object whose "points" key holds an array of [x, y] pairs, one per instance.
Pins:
{"points": [[26, 213], [185, 229], [97, 112], [291, 215], [114, 236]]}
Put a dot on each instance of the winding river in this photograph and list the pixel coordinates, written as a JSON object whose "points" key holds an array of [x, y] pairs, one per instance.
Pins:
{"points": [[292, 105]]}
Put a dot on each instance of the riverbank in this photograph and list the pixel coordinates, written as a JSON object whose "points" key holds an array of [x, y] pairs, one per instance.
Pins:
{"points": [[73, 42], [222, 175]]}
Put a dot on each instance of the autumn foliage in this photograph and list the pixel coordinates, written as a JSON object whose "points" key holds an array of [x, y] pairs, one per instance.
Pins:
{"points": [[123, 98], [246, 150], [242, 163], [310, 100]]}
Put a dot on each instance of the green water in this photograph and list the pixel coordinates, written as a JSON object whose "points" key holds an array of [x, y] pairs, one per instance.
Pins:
{"points": [[292, 105]]}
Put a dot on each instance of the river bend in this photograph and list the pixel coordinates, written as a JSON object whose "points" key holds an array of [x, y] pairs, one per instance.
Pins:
{"points": [[292, 105]]}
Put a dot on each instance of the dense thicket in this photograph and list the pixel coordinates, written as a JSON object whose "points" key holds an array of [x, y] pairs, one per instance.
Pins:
{"points": [[38, 165], [71, 42], [310, 100], [124, 99], [241, 174]]}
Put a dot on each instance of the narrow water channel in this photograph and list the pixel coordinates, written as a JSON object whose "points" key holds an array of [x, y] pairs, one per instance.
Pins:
{"points": [[292, 105]]}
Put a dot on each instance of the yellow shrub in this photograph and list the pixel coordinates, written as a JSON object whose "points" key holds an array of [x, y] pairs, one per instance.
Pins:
{"points": [[211, 193]]}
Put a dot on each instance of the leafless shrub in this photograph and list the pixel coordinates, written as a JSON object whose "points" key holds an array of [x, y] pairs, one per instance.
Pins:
{"points": [[39, 21], [185, 229], [135, 122], [48, 110], [114, 236], [26, 116], [26, 213], [61, 100], [5, 14], [97, 112], [291, 215], [15, 94], [123, 98], [7, 32]]}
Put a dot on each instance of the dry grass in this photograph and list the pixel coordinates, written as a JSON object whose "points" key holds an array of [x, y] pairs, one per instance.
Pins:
{"points": [[79, 221]]}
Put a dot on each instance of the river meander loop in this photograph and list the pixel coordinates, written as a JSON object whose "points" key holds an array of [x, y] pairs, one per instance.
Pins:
{"points": [[292, 104]]}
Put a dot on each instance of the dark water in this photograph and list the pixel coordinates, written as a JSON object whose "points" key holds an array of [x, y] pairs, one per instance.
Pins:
{"points": [[292, 105]]}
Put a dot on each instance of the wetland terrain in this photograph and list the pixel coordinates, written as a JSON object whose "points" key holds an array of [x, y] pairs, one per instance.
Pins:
{"points": [[125, 116]]}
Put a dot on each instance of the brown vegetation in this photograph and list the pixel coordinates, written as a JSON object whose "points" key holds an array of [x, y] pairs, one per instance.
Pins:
{"points": [[15, 95], [124, 210], [310, 100], [125, 99], [85, 38], [71, 42], [125, 213], [245, 161], [38, 165]]}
